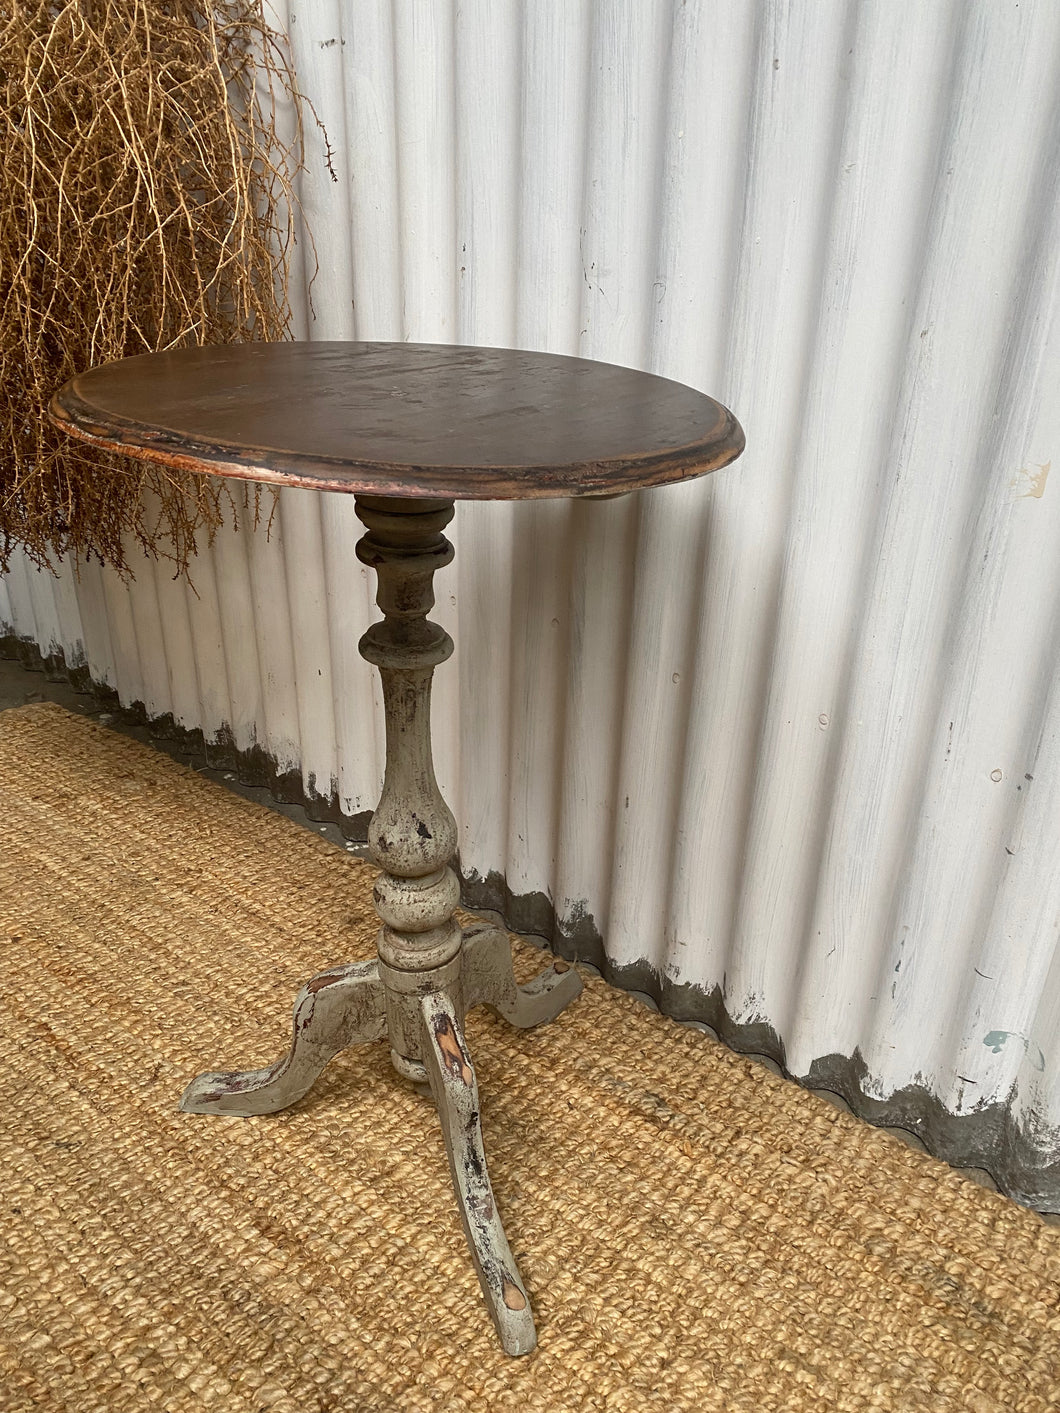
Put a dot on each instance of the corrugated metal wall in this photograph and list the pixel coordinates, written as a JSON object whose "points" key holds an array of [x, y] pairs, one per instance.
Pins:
{"points": [[787, 739]]}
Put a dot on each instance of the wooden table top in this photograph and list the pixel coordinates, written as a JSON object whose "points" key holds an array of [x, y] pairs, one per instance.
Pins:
{"points": [[404, 419]]}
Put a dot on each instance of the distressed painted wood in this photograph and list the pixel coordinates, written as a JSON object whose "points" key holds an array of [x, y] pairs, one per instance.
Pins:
{"points": [[452, 1079], [337, 1008], [410, 420], [488, 979], [428, 970], [412, 836]]}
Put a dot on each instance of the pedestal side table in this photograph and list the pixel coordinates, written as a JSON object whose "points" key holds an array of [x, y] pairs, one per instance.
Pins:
{"points": [[407, 429]]}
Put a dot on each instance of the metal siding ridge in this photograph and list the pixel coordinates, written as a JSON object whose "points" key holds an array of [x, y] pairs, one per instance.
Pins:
{"points": [[932, 496], [150, 686], [71, 636], [350, 608], [86, 583], [886, 170], [203, 607], [121, 634], [230, 562], [271, 627], [7, 613], [485, 100], [27, 610]]}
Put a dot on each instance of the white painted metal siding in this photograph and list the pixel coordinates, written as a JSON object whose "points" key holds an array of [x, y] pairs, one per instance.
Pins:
{"points": [[790, 734]]}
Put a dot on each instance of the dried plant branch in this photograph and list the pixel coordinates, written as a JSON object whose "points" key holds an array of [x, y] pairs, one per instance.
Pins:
{"points": [[147, 202]]}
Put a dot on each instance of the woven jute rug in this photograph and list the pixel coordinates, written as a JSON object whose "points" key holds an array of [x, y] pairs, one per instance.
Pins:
{"points": [[696, 1234]]}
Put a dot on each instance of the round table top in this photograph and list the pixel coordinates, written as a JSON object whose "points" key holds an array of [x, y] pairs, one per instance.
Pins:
{"points": [[402, 419]]}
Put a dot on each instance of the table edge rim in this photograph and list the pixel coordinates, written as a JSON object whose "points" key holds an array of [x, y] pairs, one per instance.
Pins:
{"points": [[68, 412]]}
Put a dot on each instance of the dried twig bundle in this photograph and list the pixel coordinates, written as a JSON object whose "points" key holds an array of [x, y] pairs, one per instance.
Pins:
{"points": [[146, 203]]}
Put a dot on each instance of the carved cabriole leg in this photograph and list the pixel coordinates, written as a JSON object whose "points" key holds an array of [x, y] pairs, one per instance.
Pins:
{"points": [[489, 979], [335, 1009], [452, 1078]]}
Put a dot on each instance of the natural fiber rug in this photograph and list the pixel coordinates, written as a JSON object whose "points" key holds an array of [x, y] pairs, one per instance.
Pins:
{"points": [[696, 1234]]}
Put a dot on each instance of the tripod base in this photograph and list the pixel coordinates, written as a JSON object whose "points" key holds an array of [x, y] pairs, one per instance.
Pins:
{"points": [[346, 1006]]}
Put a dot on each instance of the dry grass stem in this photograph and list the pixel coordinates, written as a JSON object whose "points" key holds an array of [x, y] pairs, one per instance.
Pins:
{"points": [[147, 203]]}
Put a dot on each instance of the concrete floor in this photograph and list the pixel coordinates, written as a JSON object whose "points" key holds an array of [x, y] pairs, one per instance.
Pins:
{"points": [[20, 685]]}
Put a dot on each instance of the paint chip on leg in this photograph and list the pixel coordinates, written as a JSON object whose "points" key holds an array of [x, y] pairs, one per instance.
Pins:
{"points": [[451, 1050], [513, 1296]]}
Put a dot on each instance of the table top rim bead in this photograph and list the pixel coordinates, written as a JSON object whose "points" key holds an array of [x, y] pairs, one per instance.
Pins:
{"points": [[412, 420]]}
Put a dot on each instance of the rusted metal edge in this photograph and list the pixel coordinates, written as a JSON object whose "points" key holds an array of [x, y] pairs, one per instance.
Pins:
{"points": [[989, 1138]]}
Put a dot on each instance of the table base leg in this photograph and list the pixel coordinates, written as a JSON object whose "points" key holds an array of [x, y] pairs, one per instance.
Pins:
{"points": [[452, 1079], [335, 1009], [489, 979], [346, 1006]]}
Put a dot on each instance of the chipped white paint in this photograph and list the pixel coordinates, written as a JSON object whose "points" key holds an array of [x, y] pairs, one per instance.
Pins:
{"points": [[795, 730]]}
